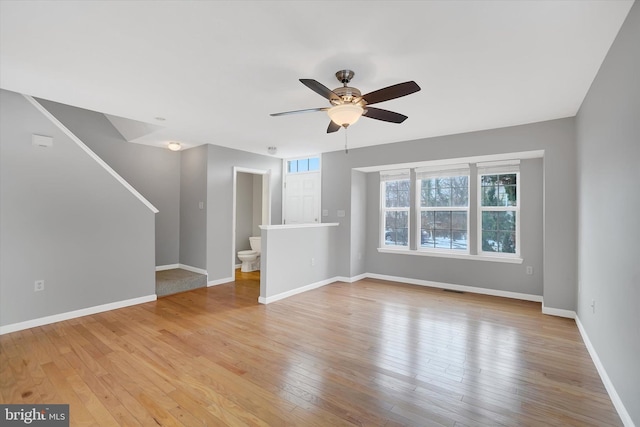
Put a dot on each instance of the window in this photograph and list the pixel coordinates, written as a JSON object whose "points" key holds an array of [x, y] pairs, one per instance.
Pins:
{"points": [[444, 208], [311, 164], [468, 211], [499, 209], [396, 202]]}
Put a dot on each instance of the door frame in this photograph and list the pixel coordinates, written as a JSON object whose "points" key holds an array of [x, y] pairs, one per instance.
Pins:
{"points": [[266, 205], [285, 172]]}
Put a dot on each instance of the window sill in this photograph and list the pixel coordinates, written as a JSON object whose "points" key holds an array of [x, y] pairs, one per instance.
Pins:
{"points": [[507, 260]]}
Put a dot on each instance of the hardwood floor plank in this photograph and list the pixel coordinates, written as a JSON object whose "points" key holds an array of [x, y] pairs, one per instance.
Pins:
{"points": [[367, 353]]}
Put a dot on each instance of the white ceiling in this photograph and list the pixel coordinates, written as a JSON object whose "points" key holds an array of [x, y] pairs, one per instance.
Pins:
{"points": [[216, 69]]}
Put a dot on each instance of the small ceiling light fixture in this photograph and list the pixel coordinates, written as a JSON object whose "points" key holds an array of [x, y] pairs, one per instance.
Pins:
{"points": [[345, 114], [174, 146], [272, 150]]}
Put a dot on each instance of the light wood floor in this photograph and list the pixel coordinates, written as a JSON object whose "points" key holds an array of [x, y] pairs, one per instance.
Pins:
{"points": [[367, 353]]}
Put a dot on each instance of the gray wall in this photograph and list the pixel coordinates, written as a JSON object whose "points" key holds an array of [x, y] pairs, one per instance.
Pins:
{"points": [[65, 220], [482, 274], [559, 231], [608, 141], [293, 258], [257, 205], [193, 220], [359, 219], [221, 160], [152, 171]]}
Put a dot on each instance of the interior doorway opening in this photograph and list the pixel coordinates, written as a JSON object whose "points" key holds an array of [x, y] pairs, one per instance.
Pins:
{"points": [[251, 209]]}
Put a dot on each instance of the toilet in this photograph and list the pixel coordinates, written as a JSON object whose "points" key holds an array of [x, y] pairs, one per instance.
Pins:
{"points": [[251, 258]]}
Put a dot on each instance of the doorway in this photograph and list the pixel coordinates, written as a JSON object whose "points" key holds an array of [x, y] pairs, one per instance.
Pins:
{"points": [[251, 208]]}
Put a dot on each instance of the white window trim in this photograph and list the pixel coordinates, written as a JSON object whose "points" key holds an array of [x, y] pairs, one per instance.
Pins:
{"points": [[497, 168], [449, 254], [484, 168], [384, 178]]}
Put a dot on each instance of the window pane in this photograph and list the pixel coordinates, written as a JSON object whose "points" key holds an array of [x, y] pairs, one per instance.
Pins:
{"points": [[460, 182], [508, 179], [508, 195], [391, 194], [498, 231], [459, 220], [397, 194], [303, 165], [489, 221], [427, 227], [506, 220], [445, 191], [499, 190], [459, 196], [489, 241], [490, 196], [488, 180], [506, 242], [459, 239], [443, 230], [293, 166], [443, 220], [443, 239], [427, 193], [396, 228], [314, 164]]}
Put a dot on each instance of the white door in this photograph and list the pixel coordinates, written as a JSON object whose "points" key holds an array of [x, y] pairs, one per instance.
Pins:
{"points": [[302, 198]]}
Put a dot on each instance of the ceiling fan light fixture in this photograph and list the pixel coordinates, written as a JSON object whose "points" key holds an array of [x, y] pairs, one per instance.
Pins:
{"points": [[345, 114]]}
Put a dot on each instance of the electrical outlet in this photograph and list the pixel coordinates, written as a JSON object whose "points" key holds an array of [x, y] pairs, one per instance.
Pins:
{"points": [[39, 286], [313, 261], [529, 270]]}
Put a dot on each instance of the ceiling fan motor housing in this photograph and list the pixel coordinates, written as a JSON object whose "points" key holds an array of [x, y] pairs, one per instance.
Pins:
{"points": [[347, 95]]}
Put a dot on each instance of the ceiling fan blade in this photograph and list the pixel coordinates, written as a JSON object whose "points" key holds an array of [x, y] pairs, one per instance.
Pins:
{"points": [[320, 89], [308, 110], [333, 127], [384, 115], [391, 92]]}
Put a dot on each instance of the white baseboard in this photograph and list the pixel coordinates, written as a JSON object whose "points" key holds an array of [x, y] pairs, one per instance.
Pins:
{"points": [[192, 269], [296, 291], [167, 267], [182, 266], [613, 394], [220, 281], [74, 314], [237, 266], [454, 287], [569, 314], [350, 279]]}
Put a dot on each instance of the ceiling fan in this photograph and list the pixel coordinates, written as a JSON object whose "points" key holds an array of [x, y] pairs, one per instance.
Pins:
{"points": [[348, 104]]}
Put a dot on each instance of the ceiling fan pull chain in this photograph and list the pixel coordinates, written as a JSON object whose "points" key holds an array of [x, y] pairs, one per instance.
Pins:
{"points": [[346, 150]]}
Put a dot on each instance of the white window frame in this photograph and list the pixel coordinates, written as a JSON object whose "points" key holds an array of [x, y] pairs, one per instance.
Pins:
{"points": [[498, 168], [386, 176], [440, 172]]}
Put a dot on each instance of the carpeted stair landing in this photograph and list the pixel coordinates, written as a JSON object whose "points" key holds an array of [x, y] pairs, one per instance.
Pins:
{"points": [[177, 280]]}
